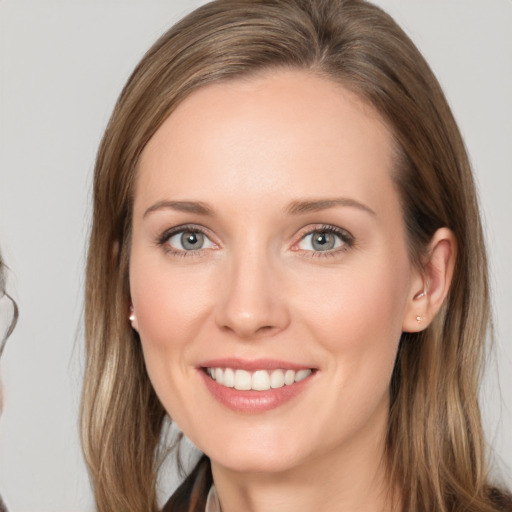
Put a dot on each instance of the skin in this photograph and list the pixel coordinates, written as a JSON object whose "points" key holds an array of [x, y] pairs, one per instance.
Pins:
{"points": [[248, 149]]}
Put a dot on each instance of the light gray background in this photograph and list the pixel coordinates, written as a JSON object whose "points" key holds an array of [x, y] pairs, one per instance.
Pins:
{"points": [[62, 65]]}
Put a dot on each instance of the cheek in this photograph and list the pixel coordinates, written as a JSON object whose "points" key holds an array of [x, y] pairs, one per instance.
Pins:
{"points": [[170, 309], [169, 304], [358, 317], [358, 300], [357, 320]]}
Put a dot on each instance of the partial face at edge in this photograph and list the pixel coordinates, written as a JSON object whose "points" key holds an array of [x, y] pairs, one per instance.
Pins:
{"points": [[267, 235]]}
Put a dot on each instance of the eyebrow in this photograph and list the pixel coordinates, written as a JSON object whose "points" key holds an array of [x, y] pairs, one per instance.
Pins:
{"points": [[294, 208], [180, 206], [310, 206]]}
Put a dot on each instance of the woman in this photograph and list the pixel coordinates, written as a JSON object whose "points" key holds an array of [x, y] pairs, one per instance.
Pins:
{"points": [[8, 319], [287, 259]]}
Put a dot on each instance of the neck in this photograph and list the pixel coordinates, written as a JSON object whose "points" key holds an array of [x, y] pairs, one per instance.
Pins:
{"points": [[351, 477]]}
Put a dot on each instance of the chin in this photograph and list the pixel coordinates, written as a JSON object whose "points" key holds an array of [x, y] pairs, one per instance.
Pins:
{"points": [[255, 461], [260, 451]]}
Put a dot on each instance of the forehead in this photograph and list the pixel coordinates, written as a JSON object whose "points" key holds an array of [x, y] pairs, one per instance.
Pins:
{"points": [[289, 131]]}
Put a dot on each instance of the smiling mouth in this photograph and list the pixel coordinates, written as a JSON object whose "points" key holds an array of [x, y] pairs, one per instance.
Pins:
{"points": [[259, 380]]}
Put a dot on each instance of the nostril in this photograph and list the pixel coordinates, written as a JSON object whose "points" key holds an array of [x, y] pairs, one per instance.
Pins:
{"points": [[266, 328], [250, 331], [248, 311]]}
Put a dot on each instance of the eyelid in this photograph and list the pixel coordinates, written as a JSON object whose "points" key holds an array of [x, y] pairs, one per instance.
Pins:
{"points": [[346, 237], [164, 238]]}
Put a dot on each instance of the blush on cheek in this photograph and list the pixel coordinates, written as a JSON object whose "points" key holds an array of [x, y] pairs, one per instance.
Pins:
{"points": [[163, 307]]}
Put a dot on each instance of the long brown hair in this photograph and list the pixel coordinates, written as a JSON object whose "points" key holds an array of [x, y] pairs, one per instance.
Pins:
{"points": [[435, 441]]}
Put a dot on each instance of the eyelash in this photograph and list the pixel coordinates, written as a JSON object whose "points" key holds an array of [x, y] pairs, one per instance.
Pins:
{"points": [[164, 238], [346, 238]]}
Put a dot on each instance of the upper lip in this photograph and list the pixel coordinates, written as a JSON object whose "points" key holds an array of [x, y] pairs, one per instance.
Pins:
{"points": [[253, 364]]}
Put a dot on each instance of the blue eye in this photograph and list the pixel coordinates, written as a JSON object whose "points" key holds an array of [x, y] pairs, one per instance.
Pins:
{"points": [[322, 240], [189, 240]]}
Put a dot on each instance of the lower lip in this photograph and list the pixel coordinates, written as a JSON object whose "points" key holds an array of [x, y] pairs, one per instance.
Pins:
{"points": [[254, 401]]}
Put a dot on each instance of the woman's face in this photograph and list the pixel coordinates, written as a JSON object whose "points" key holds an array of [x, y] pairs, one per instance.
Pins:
{"points": [[268, 247]]}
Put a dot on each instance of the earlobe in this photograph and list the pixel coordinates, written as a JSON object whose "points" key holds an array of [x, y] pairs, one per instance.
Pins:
{"points": [[133, 318], [430, 290]]}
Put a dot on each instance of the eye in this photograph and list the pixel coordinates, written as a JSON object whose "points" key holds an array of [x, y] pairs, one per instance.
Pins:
{"points": [[189, 240], [324, 240]]}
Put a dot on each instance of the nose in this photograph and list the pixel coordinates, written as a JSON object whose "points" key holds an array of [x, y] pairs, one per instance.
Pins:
{"points": [[252, 299]]}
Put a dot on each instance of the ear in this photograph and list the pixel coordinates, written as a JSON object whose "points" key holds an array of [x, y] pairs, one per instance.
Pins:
{"points": [[431, 284]]}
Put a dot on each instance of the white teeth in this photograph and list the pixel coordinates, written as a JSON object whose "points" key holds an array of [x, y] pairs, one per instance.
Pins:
{"points": [[277, 379], [243, 380], [289, 377], [260, 380], [229, 378], [301, 375]]}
